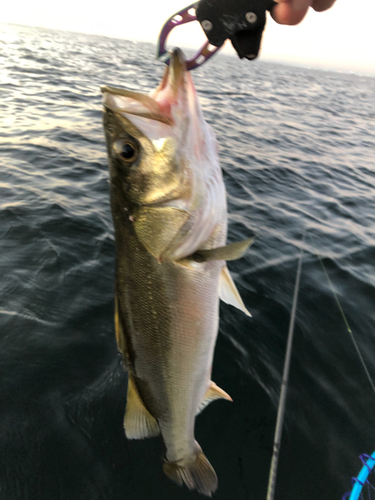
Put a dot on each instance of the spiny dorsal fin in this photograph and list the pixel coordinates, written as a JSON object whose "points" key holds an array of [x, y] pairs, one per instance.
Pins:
{"points": [[232, 251], [213, 392], [138, 422], [228, 291]]}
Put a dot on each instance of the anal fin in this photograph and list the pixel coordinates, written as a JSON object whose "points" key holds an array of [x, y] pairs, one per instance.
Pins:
{"points": [[228, 291], [138, 422], [213, 392]]}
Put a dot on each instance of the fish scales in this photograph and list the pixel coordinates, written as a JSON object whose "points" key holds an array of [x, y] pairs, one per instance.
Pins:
{"points": [[183, 312]]}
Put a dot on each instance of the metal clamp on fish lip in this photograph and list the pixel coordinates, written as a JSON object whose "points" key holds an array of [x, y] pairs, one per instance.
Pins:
{"points": [[184, 16], [242, 21]]}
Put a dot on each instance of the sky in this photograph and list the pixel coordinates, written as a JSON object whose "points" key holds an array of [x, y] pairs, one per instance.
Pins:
{"points": [[340, 39]]}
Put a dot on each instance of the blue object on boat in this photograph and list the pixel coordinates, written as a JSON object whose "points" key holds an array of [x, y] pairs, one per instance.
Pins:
{"points": [[361, 479]]}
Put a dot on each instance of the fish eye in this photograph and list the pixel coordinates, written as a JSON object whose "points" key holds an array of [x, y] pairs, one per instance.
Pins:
{"points": [[126, 151]]}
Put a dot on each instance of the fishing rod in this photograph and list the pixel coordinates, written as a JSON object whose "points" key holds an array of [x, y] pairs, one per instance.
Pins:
{"points": [[284, 382]]}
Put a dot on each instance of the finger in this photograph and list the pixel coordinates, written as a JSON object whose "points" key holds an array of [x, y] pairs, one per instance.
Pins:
{"points": [[290, 11], [320, 5]]}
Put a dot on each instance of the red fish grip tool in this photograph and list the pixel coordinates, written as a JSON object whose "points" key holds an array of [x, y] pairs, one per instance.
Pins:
{"points": [[184, 16]]}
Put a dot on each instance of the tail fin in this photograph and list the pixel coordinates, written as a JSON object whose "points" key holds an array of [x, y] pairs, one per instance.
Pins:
{"points": [[195, 471]]}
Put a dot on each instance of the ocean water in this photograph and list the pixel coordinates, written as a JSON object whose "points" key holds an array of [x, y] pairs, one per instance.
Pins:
{"points": [[297, 149]]}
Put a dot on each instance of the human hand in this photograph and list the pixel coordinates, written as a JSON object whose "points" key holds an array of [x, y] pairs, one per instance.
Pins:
{"points": [[293, 11]]}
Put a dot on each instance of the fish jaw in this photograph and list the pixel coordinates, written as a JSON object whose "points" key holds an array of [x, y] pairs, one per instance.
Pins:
{"points": [[177, 98]]}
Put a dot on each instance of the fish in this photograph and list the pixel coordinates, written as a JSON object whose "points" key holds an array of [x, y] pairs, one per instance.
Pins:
{"points": [[169, 209]]}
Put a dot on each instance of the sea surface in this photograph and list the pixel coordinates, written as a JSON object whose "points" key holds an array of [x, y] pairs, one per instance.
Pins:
{"points": [[297, 149]]}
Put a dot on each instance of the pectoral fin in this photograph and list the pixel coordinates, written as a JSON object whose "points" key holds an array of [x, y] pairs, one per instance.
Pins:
{"points": [[138, 422], [228, 291], [213, 392], [232, 251]]}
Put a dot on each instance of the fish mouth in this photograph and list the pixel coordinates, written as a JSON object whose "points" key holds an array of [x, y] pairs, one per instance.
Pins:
{"points": [[128, 102], [174, 75], [158, 105], [176, 81]]}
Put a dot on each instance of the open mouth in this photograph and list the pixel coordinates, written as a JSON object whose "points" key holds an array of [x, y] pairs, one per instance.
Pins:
{"points": [[156, 106]]}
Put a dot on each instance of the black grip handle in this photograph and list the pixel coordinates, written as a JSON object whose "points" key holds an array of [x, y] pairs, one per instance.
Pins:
{"points": [[242, 21]]}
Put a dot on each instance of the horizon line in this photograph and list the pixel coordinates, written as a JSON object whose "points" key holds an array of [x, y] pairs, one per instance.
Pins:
{"points": [[312, 65]]}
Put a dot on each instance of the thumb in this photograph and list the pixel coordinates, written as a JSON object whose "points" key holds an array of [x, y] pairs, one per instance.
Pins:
{"points": [[290, 11]]}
